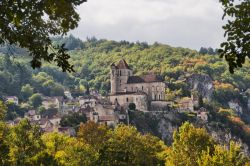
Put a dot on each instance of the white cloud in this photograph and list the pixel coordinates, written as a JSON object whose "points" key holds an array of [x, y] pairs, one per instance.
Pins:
{"points": [[186, 23]]}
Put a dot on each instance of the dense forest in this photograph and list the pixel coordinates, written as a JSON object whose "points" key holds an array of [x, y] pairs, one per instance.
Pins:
{"points": [[92, 58]]}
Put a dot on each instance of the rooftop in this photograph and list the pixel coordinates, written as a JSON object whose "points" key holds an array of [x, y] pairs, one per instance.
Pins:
{"points": [[144, 79], [121, 65]]}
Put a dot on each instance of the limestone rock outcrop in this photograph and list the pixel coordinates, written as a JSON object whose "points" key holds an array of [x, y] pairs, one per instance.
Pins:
{"points": [[203, 84]]}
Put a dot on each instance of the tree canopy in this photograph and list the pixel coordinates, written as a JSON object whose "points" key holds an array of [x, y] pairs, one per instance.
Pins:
{"points": [[30, 23], [237, 31]]}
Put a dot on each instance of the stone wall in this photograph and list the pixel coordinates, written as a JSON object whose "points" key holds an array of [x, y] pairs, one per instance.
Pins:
{"points": [[124, 100], [160, 105], [155, 90]]}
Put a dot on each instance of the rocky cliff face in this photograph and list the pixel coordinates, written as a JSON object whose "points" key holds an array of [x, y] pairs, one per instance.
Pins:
{"points": [[236, 107], [163, 125], [203, 84]]}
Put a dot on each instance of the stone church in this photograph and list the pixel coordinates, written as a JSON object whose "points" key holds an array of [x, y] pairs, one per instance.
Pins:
{"points": [[127, 88]]}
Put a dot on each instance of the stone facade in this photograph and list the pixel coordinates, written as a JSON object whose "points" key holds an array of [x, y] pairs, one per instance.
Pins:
{"points": [[124, 99], [127, 88], [186, 104]]}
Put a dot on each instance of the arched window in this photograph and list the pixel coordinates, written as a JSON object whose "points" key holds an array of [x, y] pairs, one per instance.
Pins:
{"points": [[127, 99]]}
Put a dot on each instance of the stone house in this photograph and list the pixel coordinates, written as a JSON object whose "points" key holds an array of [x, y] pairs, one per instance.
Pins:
{"points": [[90, 101], [202, 114], [104, 114], [186, 104], [32, 115], [54, 102], [69, 106]]}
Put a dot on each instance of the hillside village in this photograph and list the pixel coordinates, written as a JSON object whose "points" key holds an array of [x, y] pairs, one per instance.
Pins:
{"points": [[170, 84], [128, 93], [155, 88]]}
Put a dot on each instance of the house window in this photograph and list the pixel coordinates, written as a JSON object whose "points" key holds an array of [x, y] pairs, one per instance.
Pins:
{"points": [[159, 97], [155, 97], [127, 99], [142, 88], [120, 72]]}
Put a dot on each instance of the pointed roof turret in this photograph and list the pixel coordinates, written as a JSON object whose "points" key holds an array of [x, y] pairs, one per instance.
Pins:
{"points": [[122, 64]]}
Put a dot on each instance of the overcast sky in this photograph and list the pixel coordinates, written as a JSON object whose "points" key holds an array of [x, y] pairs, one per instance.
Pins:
{"points": [[185, 23]]}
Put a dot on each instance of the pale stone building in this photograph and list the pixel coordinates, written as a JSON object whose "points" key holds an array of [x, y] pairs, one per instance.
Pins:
{"points": [[186, 104], [127, 88]]}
